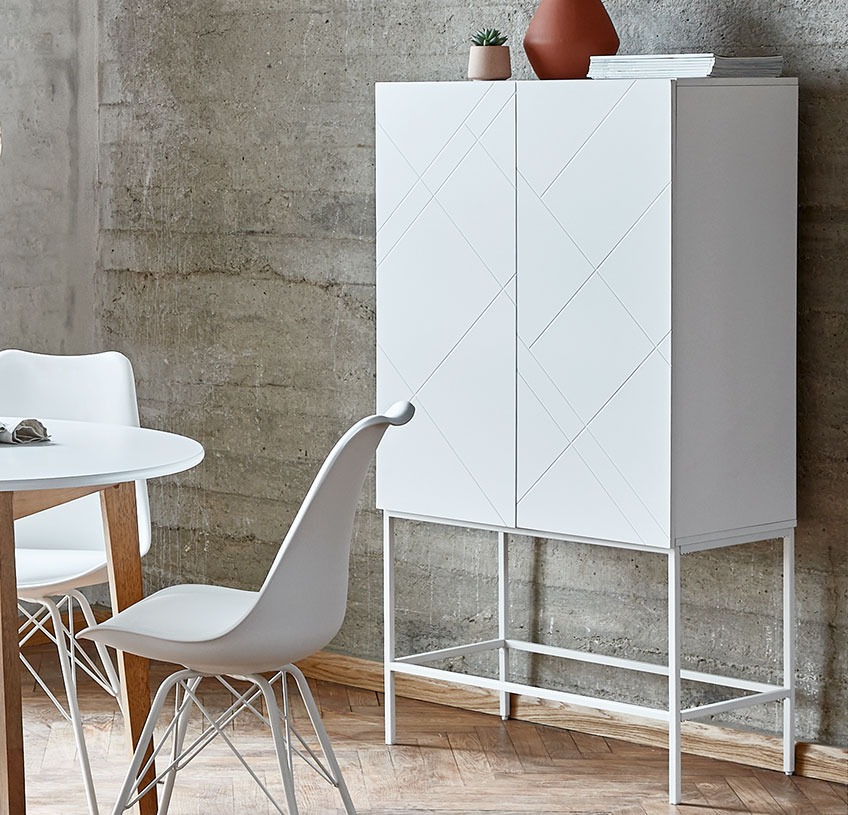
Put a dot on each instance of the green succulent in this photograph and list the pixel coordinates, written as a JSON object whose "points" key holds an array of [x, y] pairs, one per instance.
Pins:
{"points": [[488, 36]]}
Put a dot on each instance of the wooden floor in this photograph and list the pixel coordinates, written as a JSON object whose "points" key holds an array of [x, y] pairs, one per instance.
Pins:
{"points": [[448, 761]]}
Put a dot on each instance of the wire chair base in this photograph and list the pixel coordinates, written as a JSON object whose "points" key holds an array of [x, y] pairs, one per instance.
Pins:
{"points": [[288, 742]]}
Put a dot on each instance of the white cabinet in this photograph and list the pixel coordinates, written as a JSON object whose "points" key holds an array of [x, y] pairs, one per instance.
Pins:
{"points": [[588, 290]]}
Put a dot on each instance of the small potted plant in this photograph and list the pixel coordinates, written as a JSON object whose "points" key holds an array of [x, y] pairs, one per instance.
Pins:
{"points": [[489, 57]]}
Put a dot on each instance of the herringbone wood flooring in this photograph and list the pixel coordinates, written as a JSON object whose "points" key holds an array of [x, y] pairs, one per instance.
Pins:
{"points": [[448, 761]]}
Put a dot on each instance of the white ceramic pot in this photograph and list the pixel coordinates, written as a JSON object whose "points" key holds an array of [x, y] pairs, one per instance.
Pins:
{"points": [[489, 62]]}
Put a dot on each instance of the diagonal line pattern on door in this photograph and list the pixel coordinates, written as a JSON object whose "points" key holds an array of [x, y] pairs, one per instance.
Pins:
{"points": [[447, 441], [465, 333], [433, 193], [595, 269], [586, 428]]}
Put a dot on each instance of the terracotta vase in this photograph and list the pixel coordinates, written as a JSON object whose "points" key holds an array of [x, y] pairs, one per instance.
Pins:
{"points": [[563, 34]]}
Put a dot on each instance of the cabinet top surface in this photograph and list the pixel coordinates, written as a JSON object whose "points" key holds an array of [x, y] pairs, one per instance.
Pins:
{"points": [[684, 81]]}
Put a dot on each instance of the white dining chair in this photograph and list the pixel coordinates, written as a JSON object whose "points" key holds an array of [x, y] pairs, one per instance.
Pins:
{"points": [[62, 550], [234, 634]]}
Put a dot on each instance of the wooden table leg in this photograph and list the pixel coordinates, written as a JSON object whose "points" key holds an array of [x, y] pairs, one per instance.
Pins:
{"points": [[12, 790], [124, 560]]}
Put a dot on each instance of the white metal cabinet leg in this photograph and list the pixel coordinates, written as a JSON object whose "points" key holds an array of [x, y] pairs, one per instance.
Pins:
{"points": [[789, 652], [389, 624], [674, 792], [503, 618]]}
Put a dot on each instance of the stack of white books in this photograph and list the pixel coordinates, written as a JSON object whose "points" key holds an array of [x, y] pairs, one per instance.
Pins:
{"points": [[682, 65]]}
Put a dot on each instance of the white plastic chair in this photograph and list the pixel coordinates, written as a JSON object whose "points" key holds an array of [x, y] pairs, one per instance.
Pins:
{"points": [[230, 633], [61, 550]]}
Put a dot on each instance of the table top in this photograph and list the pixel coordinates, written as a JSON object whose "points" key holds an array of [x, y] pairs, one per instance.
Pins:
{"points": [[86, 454]]}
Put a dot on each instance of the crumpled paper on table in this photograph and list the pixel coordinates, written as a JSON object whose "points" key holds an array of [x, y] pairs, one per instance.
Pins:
{"points": [[24, 432]]}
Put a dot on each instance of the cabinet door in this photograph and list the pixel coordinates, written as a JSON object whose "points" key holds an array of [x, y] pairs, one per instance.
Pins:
{"points": [[446, 298], [594, 322]]}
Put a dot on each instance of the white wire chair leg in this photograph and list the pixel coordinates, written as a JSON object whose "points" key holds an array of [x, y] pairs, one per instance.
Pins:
{"points": [[69, 677], [284, 694], [71, 658], [323, 739], [282, 743], [110, 674], [36, 622], [127, 793], [182, 712]]}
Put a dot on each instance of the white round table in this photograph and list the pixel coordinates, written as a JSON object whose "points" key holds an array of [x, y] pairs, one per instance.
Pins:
{"points": [[80, 458], [84, 454]]}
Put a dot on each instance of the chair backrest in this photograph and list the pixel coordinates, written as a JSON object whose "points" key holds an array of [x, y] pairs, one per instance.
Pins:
{"points": [[87, 388], [305, 592]]}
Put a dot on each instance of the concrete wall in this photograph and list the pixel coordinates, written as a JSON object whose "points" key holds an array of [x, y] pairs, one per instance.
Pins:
{"points": [[48, 116], [236, 268]]}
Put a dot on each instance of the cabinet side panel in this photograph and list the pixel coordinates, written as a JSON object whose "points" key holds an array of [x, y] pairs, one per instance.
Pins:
{"points": [[733, 307], [446, 298]]}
